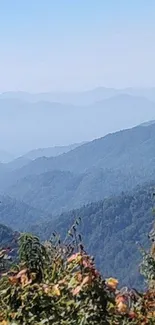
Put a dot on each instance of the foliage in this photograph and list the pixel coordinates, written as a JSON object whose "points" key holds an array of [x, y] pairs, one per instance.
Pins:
{"points": [[111, 233], [8, 244], [70, 291], [110, 229], [32, 253], [148, 264]]}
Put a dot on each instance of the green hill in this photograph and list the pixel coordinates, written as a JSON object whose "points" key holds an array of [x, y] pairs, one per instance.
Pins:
{"points": [[111, 229]]}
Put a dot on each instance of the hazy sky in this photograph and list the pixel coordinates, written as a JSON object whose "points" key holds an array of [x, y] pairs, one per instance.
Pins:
{"points": [[50, 45]]}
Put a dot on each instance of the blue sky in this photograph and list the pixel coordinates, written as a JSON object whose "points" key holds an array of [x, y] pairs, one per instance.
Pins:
{"points": [[49, 45]]}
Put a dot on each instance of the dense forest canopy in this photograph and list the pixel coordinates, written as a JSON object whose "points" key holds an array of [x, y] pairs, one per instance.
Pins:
{"points": [[111, 234], [111, 228]]}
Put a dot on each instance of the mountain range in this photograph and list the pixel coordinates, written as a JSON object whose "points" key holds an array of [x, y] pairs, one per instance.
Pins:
{"points": [[123, 149], [108, 182], [41, 123], [87, 97], [50, 151], [106, 166], [21, 161]]}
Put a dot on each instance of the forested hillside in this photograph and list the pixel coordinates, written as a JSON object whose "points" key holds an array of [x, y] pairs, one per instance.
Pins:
{"points": [[59, 191], [111, 229], [128, 150], [18, 215], [7, 236], [103, 167]]}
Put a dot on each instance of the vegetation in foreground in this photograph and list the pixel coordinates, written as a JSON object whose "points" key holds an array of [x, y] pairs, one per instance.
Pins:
{"points": [[57, 283]]}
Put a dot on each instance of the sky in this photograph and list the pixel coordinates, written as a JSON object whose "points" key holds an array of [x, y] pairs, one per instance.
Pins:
{"points": [[72, 45]]}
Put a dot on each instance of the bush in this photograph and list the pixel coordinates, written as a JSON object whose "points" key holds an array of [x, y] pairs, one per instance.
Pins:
{"points": [[57, 283]]}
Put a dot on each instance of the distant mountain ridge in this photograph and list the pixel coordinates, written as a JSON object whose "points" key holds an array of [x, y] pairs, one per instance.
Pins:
{"points": [[24, 160], [106, 166], [51, 151], [17, 214], [18, 163], [148, 123], [43, 123], [112, 151], [86, 97]]}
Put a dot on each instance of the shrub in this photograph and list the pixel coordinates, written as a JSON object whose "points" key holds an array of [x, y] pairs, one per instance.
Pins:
{"points": [[57, 283]]}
